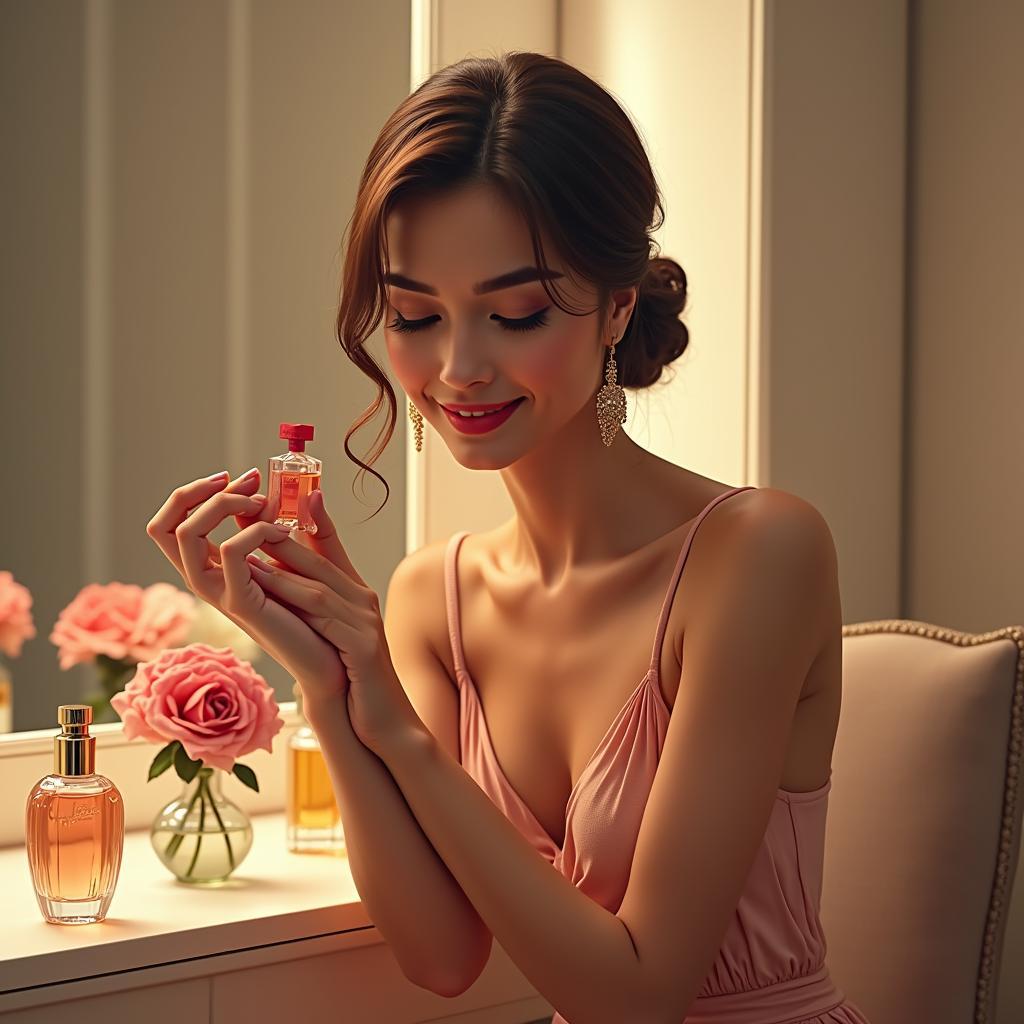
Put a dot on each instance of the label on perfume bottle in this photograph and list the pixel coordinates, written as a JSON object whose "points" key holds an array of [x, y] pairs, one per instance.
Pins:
{"points": [[289, 488], [80, 812]]}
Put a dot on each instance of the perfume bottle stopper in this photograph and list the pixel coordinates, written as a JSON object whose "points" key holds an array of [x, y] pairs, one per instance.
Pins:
{"points": [[297, 434]]}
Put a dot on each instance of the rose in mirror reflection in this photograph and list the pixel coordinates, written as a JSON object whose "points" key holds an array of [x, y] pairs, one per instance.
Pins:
{"points": [[117, 625], [16, 626]]}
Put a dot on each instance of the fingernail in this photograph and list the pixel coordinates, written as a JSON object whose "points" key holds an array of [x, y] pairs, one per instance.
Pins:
{"points": [[257, 562], [249, 473], [283, 527], [218, 476]]}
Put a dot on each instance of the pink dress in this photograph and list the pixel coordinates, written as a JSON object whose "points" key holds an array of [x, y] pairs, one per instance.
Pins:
{"points": [[771, 967]]}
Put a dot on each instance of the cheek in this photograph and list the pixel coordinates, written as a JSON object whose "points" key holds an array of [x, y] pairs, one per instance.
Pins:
{"points": [[560, 363], [409, 362]]}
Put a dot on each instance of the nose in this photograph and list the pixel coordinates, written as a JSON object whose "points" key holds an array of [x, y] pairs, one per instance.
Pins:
{"points": [[466, 365]]}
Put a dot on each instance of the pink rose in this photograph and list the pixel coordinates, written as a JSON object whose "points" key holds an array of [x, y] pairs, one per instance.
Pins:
{"points": [[217, 705], [122, 621], [16, 624]]}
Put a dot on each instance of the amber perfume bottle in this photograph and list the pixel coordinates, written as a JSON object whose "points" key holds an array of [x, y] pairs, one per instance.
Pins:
{"points": [[294, 475], [74, 827], [314, 823]]}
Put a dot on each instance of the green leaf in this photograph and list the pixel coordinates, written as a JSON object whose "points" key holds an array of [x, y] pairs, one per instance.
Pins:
{"points": [[185, 766], [246, 775], [163, 760]]}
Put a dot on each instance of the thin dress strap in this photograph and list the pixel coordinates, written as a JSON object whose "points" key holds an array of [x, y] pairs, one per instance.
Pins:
{"points": [[680, 562], [451, 598]]}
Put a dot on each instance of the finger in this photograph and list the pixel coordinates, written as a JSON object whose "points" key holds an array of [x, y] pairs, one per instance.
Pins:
{"points": [[266, 513], [193, 542], [318, 606], [326, 540], [176, 508], [237, 576], [292, 555], [179, 504], [244, 483]]}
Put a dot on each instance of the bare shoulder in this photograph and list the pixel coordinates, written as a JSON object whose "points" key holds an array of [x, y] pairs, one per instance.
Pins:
{"points": [[418, 584], [764, 536], [767, 516]]}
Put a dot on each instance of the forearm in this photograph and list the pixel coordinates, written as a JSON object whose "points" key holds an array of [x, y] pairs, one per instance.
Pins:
{"points": [[409, 893], [577, 954]]}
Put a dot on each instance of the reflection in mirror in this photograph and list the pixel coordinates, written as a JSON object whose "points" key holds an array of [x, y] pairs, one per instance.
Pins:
{"points": [[177, 183]]}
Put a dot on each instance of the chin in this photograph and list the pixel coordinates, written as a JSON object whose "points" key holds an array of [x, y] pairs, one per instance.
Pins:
{"points": [[483, 459]]}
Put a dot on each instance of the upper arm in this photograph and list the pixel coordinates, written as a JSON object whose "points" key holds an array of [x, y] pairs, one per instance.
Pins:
{"points": [[747, 649], [413, 614]]}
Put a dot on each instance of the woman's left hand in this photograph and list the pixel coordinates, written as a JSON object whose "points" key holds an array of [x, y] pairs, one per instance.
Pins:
{"points": [[346, 613]]}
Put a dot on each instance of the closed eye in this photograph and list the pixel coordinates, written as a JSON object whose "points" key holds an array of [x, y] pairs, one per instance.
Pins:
{"points": [[527, 323]]}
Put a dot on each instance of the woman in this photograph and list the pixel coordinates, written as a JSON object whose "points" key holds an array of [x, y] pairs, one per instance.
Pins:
{"points": [[494, 729]]}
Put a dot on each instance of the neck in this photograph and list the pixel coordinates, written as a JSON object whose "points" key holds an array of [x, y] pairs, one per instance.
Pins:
{"points": [[579, 504]]}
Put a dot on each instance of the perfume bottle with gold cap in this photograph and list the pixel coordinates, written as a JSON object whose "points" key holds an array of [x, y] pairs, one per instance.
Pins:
{"points": [[74, 827], [313, 820]]}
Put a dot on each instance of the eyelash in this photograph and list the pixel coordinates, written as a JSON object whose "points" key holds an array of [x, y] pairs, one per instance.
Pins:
{"points": [[527, 323]]}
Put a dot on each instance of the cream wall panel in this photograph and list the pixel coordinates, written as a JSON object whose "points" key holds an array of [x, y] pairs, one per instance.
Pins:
{"points": [[965, 491], [682, 71], [831, 326]]}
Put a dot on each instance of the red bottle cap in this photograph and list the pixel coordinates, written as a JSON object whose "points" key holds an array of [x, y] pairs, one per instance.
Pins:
{"points": [[297, 431], [297, 434]]}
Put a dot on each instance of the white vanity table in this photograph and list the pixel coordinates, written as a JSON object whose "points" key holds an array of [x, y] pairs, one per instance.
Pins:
{"points": [[285, 936]]}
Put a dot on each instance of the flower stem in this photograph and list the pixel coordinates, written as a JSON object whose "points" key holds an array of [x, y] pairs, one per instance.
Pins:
{"points": [[203, 792], [176, 839], [224, 831], [112, 675]]}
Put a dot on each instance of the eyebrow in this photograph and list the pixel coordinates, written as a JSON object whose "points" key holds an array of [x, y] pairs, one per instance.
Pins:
{"points": [[521, 276]]}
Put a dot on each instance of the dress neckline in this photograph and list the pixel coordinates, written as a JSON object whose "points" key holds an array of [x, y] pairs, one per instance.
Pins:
{"points": [[650, 679]]}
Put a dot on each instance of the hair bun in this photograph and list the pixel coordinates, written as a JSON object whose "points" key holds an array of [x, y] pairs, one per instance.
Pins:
{"points": [[665, 275], [656, 335]]}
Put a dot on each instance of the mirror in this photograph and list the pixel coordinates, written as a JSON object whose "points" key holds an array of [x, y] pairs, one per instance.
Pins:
{"points": [[176, 186]]}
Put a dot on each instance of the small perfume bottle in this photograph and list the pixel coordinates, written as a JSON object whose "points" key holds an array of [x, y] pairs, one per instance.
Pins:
{"points": [[6, 701], [74, 827], [314, 822], [294, 475]]}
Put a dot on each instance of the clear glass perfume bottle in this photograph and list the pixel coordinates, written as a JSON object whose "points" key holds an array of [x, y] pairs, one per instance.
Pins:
{"points": [[74, 827], [294, 475], [314, 822]]}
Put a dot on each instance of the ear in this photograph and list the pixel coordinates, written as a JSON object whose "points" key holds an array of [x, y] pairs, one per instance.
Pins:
{"points": [[623, 302]]}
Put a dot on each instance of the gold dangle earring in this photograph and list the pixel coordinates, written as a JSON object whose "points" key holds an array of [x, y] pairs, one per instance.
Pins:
{"points": [[417, 422], [611, 401]]}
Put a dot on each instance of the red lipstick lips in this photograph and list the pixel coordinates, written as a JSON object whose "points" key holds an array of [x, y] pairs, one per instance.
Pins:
{"points": [[494, 416]]}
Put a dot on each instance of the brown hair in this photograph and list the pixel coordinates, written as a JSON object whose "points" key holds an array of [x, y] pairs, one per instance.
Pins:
{"points": [[560, 149]]}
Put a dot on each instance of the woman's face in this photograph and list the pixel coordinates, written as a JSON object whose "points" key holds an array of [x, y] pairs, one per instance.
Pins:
{"points": [[468, 342]]}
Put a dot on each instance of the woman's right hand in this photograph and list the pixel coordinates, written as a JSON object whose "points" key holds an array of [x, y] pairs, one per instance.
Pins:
{"points": [[221, 576]]}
